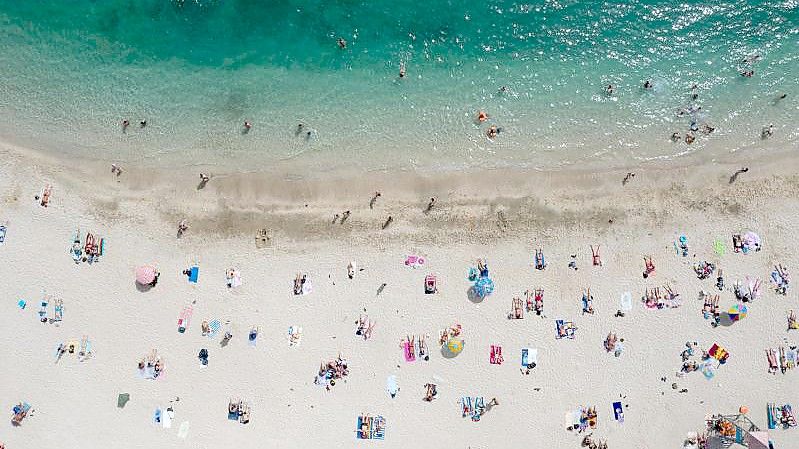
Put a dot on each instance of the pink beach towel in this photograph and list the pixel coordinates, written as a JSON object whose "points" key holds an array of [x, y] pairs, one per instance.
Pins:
{"points": [[410, 355]]}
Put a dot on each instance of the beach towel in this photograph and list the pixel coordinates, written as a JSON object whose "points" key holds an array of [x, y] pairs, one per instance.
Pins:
{"points": [[194, 273], [414, 261], [466, 406], [166, 418], [618, 412], [708, 371], [408, 351], [252, 337], [58, 312], [214, 326], [379, 428], [21, 304], [123, 399], [391, 385], [2, 233], [564, 329], [719, 247], [495, 358], [43, 311], [529, 357], [295, 335], [185, 318], [626, 302], [183, 431], [479, 408], [157, 416]]}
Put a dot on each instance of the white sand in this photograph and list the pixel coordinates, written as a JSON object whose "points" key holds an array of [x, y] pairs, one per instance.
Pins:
{"points": [[75, 403]]}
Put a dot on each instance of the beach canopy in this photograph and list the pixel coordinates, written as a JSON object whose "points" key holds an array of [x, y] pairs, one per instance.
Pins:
{"points": [[455, 345], [146, 274], [737, 312]]}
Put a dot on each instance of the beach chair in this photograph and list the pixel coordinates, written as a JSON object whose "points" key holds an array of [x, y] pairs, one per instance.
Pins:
{"points": [[596, 260], [430, 284], [185, 318]]}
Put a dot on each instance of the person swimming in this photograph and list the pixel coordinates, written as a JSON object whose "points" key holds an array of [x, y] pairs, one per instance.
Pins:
{"points": [[609, 90], [143, 123], [493, 131], [482, 116], [402, 70], [648, 84], [342, 44], [299, 129]]}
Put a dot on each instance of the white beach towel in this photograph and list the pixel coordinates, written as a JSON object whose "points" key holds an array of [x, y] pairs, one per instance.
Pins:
{"points": [[626, 302], [183, 432], [166, 418]]}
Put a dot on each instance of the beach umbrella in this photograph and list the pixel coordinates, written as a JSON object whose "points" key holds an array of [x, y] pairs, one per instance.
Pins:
{"points": [[737, 312], [146, 274], [484, 287], [455, 345]]}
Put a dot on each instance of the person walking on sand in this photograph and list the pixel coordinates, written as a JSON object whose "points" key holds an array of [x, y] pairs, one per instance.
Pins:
{"points": [[627, 178], [430, 205], [204, 178], [374, 200], [389, 220], [182, 227], [738, 172]]}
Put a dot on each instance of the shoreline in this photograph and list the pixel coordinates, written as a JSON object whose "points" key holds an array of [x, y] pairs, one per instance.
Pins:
{"points": [[469, 204]]}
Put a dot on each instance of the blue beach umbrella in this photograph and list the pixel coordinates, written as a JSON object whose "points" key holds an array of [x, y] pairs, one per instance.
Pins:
{"points": [[484, 287]]}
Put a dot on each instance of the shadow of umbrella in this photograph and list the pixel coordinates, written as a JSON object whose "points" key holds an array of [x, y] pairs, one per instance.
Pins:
{"points": [[471, 293], [725, 319]]}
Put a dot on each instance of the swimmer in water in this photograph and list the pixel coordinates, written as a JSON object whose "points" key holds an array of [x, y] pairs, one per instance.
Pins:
{"points": [[648, 84], [747, 73], [694, 93], [675, 137], [503, 89], [300, 126], [143, 123], [402, 70], [689, 138], [342, 44], [609, 89], [247, 126], [767, 131], [493, 131], [125, 124], [482, 116]]}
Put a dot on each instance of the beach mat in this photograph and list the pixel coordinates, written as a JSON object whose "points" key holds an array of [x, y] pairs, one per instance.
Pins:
{"points": [[123, 399]]}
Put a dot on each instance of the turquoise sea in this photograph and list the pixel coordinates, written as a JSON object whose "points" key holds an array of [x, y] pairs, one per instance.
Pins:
{"points": [[72, 70]]}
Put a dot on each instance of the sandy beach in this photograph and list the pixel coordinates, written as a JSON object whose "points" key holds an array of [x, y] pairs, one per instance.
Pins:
{"points": [[498, 216]]}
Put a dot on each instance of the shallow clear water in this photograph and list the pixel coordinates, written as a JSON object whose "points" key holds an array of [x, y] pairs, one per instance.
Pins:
{"points": [[197, 69]]}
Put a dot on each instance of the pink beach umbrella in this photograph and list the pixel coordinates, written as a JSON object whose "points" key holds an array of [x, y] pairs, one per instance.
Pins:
{"points": [[146, 274]]}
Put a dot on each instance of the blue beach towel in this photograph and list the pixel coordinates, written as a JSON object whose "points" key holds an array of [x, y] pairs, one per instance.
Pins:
{"points": [[194, 272]]}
